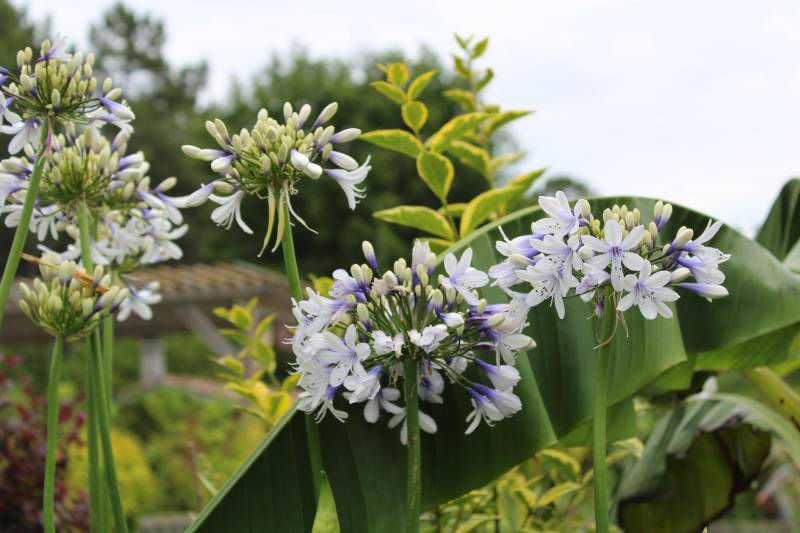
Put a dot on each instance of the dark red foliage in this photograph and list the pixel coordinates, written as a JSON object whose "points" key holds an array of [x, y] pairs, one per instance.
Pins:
{"points": [[23, 428]]}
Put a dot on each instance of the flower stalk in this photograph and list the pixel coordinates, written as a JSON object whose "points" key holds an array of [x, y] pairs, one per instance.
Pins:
{"points": [[295, 288], [53, 407], [21, 234], [413, 450], [99, 418], [606, 330]]}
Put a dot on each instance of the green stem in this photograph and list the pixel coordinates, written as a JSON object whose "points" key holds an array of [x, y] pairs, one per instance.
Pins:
{"points": [[93, 448], [104, 427], [99, 419], [296, 290], [413, 455], [53, 408], [21, 233], [599, 420], [108, 360]]}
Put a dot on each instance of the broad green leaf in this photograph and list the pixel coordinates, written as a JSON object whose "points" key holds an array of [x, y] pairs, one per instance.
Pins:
{"points": [[437, 172], [695, 461], [781, 230], [366, 463], [416, 87], [463, 98], [453, 130], [498, 120], [419, 217], [326, 520], [762, 416], [397, 73], [483, 205], [393, 93], [397, 140], [470, 155], [480, 48], [415, 114]]}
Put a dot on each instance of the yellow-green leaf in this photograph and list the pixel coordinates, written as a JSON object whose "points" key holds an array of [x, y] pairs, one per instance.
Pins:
{"points": [[523, 182], [419, 217], [484, 81], [454, 130], [470, 155], [264, 325], [504, 160], [240, 317], [419, 84], [393, 93], [461, 66], [415, 114], [498, 120], [438, 245], [557, 492], [563, 458], [454, 210], [326, 519], [397, 73], [463, 98], [322, 284], [483, 205], [480, 48], [436, 171], [397, 140], [232, 363]]}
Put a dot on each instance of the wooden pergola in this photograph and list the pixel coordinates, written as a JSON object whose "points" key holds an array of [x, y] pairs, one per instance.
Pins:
{"points": [[190, 293]]}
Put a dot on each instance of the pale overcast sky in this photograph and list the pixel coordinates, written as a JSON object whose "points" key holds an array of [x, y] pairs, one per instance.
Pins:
{"points": [[694, 101]]}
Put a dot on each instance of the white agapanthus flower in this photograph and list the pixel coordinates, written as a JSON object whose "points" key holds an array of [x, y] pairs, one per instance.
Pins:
{"points": [[570, 253], [357, 341], [136, 222], [59, 86], [270, 160]]}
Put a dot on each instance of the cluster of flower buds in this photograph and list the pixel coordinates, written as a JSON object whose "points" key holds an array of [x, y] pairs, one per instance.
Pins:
{"points": [[572, 250], [356, 341], [58, 85], [136, 224], [269, 160], [67, 302]]}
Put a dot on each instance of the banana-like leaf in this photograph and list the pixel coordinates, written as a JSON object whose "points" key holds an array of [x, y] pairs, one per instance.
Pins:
{"points": [[366, 463], [781, 230], [695, 461]]}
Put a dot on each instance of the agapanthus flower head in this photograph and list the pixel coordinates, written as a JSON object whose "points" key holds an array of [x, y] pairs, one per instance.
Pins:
{"points": [[353, 344], [67, 302], [572, 253], [59, 86], [269, 160]]}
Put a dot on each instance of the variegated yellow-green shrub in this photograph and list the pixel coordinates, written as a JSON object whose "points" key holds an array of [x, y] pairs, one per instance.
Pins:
{"points": [[466, 138], [251, 372]]}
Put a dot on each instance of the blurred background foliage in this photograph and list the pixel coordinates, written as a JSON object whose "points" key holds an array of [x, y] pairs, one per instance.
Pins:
{"points": [[175, 447]]}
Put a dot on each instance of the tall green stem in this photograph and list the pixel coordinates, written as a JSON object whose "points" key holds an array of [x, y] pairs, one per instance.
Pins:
{"points": [[93, 448], [413, 454], [99, 418], [21, 233], [53, 407], [105, 436], [296, 289], [108, 360], [599, 421]]}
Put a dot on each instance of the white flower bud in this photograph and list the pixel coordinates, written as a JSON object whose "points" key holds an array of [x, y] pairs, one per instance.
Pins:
{"points": [[495, 321], [679, 274], [327, 113]]}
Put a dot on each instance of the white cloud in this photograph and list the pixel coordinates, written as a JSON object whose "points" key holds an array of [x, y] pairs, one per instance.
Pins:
{"points": [[695, 102]]}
